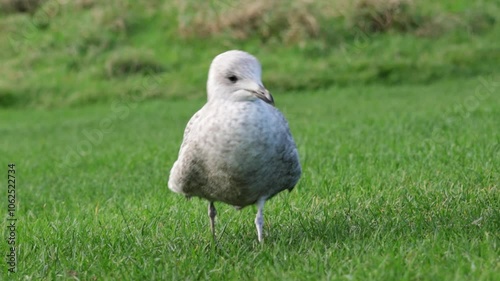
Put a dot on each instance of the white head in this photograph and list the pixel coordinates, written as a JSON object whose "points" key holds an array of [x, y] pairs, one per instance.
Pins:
{"points": [[236, 75]]}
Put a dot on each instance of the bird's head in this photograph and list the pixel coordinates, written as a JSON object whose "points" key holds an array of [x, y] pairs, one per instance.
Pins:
{"points": [[236, 75]]}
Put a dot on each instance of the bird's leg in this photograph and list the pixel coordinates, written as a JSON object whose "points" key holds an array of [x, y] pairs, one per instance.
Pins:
{"points": [[259, 219], [212, 212]]}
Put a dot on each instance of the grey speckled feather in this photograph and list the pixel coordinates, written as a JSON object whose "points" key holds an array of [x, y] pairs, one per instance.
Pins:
{"points": [[238, 148]]}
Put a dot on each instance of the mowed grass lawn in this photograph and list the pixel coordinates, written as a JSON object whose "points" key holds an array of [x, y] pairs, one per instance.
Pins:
{"points": [[399, 183]]}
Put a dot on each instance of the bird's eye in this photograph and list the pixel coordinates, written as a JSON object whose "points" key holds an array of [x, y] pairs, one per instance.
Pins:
{"points": [[232, 78]]}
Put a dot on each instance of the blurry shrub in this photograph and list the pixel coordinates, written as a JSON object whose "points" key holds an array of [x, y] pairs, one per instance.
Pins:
{"points": [[381, 16], [19, 6], [7, 98], [84, 4], [479, 20], [131, 61], [471, 22], [297, 21], [438, 25], [286, 21]]}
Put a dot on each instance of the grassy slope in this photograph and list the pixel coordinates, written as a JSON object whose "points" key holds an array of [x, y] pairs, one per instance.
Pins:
{"points": [[400, 183], [71, 56]]}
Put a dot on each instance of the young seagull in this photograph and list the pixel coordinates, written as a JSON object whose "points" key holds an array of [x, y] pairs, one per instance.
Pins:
{"points": [[237, 149]]}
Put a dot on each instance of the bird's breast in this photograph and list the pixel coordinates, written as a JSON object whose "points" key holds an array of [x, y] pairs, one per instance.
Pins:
{"points": [[240, 140], [238, 153], [247, 129]]}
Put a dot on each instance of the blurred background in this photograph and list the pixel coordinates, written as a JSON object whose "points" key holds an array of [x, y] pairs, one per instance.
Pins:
{"points": [[60, 53], [394, 106]]}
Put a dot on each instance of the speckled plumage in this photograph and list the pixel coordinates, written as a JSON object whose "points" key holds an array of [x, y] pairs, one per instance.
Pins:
{"points": [[237, 149]]}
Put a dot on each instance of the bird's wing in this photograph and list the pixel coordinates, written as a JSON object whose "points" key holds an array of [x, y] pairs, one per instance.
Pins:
{"points": [[187, 174], [193, 122], [290, 156]]}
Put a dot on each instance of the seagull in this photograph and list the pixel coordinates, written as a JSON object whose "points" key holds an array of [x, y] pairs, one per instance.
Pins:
{"points": [[237, 149]]}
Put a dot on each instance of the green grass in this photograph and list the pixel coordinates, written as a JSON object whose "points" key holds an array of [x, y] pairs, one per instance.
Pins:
{"points": [[399, 183], [395, 110], [73, 54]]}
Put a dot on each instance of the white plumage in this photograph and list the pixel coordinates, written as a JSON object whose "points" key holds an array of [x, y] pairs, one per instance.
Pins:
{"points": [[237, 149]]}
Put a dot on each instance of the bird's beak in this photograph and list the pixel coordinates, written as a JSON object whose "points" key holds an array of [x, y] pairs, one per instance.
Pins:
{"points": [[263, 94]]}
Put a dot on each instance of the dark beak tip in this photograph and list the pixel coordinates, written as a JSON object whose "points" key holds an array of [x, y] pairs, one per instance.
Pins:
{"points": [[265, 96], [269, 97]]}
